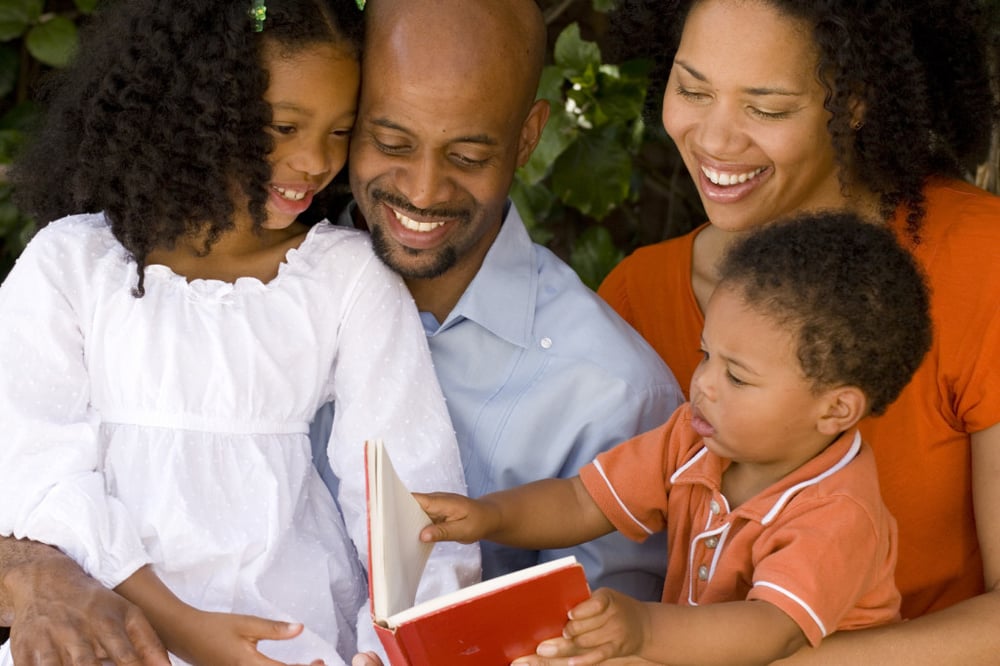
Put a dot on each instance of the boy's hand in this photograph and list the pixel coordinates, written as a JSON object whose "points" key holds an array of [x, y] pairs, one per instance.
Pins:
{"points": [[609, 625], [456, 518]]}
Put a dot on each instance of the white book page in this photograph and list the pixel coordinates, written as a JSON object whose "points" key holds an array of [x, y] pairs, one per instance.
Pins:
{"points": [[398, 556]]}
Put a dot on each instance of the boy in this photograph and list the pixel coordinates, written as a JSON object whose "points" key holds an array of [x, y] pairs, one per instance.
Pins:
{"points": [[777, 532]]}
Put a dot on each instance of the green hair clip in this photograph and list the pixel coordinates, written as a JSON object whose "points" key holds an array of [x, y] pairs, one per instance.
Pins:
{"points": [[361, 4], [258, 12]]}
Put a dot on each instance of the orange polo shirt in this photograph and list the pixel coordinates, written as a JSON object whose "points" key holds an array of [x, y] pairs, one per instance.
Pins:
{"points": [[921, 443], [820, 544]]}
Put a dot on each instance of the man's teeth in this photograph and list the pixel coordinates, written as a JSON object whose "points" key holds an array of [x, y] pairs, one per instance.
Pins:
{"points": [[729, 178], [291, 195], [414, 225]]}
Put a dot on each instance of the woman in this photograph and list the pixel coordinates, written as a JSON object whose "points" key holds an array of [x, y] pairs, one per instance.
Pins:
{"points": [[781, 106]]}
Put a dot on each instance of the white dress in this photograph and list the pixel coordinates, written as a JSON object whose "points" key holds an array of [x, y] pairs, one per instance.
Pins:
{"points": [[172, 429]]}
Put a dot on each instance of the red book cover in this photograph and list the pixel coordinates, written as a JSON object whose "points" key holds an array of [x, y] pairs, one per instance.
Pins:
{"points": [[486, 624]]}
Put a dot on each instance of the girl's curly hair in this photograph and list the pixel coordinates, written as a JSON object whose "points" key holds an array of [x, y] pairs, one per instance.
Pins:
{"points": [[920, 68], [162, 114]]}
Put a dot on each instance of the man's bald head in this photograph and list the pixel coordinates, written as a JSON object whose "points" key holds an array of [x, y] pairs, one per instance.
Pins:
{"points": [[491, 42]]}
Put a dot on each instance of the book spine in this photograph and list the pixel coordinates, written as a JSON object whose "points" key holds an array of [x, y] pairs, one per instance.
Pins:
{"points": [[393, 647]]}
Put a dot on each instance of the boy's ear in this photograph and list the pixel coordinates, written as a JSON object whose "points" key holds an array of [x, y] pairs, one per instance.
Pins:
{"points": [[844, 406]]}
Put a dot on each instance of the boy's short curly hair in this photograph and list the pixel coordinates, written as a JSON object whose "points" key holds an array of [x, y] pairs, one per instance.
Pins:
{"points": [[162, 114], [921, 69], [856, 297]]}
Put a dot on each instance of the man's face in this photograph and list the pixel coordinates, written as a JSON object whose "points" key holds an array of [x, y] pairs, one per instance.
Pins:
{"points": [[433, 155]]}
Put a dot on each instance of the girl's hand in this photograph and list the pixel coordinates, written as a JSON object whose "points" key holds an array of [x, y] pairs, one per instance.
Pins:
{"points": [[609, 625], [227, 639], [366, 659], [456, 518]]}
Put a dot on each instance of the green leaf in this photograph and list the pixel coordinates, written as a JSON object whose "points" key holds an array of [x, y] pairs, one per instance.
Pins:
{"points": [[86, 6], [573, 53], [9, 66], [604, 6], [594, 173], [560, 131], [16, 16], [53, 42], [534, 203], [593, 256], [550, 86], [10, 142], [21, 117]]}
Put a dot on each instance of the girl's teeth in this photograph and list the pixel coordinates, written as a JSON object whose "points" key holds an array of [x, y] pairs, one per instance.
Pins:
{"points": [[725, 179], [291, 195]]}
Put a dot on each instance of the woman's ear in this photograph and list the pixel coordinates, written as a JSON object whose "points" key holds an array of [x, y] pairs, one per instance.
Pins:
{"points": [[844, 406]]}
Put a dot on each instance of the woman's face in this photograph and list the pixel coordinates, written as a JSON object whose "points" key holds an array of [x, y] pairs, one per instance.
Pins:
{"points": [[745, 108], [313, 95]]}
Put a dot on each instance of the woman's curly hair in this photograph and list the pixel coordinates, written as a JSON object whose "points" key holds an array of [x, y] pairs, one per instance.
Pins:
{"points": [[162, 114], [920, 68], [856, 299]]}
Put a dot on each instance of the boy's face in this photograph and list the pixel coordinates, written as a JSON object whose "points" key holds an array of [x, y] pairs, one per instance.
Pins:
{"points": [[750, 400]]}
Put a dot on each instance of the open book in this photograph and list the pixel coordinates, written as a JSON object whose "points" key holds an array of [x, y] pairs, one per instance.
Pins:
{"points": [[489, 623]]}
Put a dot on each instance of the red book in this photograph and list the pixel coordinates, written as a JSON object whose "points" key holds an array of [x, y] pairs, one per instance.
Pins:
{"points": [[487, 624]]}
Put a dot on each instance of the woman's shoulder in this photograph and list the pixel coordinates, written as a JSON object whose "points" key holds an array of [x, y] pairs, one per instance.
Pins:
{"points": [[957, 210]]}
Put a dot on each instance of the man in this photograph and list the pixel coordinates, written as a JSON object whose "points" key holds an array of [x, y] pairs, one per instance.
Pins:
{"points": [[539, 375]]}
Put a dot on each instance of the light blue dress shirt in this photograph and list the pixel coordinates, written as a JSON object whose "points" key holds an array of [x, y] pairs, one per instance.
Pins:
{"points": [[540, 376]]}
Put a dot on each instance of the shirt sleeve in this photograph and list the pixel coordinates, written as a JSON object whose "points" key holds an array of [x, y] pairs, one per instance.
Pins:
{"points": [[384, 387], [51, 486], [795, 562]]}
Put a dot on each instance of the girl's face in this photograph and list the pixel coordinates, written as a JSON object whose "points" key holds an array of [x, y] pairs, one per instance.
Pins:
{"points": [[750, 400], [745, 108], [313, 95]]}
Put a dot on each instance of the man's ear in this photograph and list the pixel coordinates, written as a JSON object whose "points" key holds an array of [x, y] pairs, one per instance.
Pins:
{"points": [[843, 407], [531, 130]]}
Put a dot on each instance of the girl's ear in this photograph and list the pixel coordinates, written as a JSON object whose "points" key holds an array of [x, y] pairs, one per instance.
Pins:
{"points": [[844, 406]]}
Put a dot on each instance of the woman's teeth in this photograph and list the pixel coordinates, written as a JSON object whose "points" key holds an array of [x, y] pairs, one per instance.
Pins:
{"points": [[729, 178], [414, 225]]}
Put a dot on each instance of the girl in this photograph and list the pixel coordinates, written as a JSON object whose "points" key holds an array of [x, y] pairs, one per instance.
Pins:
{"points": [[164, 350], [782, 106]]}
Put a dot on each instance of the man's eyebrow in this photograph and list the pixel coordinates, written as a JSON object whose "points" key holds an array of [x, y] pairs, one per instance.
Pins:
{"points": [[484, 139], [750, 91]]}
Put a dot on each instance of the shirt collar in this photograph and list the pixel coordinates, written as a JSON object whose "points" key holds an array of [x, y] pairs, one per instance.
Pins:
{"points": [[706, 468], [501, 297]]}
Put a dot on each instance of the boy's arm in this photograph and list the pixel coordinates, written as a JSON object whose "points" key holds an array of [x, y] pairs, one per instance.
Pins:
{"points": [[612, 626], [551, 513]]}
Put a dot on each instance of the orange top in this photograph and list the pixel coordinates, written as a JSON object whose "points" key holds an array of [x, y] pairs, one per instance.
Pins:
{"points": [[819, 544], [921, 444]]}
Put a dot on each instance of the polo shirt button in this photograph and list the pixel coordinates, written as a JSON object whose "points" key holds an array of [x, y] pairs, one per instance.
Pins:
{"points": [[714, 506], [711, 542], [703, 572]]}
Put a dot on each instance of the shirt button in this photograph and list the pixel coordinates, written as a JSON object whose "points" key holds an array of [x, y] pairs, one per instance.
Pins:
{"points": [[714, 506], [703, 572], [546, 343], [711, 542]]}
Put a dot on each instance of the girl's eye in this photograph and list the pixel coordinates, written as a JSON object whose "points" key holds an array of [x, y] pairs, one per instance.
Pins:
{"points": [[704, 355], [734, 380], [283, 129], [341, 133]]}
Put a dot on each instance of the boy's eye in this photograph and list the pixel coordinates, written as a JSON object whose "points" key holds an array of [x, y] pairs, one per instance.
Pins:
{"points": [[283, 129], [736, 381]]}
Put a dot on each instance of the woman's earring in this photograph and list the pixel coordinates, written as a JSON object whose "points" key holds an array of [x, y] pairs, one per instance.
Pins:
{"points": [[857, 124]]}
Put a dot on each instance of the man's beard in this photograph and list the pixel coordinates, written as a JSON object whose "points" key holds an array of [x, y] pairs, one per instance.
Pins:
{"points": [[444, 260]]}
